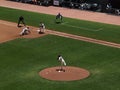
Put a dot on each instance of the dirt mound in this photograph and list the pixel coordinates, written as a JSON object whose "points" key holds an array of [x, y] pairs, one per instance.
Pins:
{"points": [[71, 73]]}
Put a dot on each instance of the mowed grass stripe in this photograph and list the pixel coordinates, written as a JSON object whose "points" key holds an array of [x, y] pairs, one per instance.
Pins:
{"points": [[105, 32]]}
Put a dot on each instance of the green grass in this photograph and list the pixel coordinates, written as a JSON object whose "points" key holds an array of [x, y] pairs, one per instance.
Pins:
{"points": [[74, 26], [22, 59]]}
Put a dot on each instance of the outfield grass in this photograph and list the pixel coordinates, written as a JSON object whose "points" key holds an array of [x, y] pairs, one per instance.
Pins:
{"points": [[74, 26], [22, 59]]}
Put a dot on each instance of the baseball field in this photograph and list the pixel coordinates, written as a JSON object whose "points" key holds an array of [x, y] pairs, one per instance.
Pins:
{"points": [[22, 59]]}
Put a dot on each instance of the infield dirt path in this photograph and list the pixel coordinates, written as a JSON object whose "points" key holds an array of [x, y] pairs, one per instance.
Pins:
{"points": [[92, 16], [9, 31]]}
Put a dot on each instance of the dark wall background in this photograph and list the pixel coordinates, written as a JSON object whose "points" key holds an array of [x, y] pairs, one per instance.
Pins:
{"points": [[115, 3], [103, 3]]}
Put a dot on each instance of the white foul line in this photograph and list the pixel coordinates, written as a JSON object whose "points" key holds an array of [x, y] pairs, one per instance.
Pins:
{"points": [[88, 29]]}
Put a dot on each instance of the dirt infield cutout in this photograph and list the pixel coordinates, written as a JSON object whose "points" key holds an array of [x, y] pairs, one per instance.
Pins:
{"points": [[10, 31]]}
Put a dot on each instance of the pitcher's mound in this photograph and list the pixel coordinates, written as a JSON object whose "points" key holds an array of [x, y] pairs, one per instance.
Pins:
{"points": [[70, 73]]}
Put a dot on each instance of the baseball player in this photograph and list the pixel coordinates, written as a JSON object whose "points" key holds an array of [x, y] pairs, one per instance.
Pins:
{"points": [[25, 31], [59, 16], [62, 62], [42, 28]]}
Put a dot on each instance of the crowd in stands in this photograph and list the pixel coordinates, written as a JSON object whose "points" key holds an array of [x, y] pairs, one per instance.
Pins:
{"points": [[76, 4]]}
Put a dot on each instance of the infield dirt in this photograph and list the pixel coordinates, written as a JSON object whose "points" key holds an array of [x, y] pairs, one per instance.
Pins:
{"points": [[10, 31]]}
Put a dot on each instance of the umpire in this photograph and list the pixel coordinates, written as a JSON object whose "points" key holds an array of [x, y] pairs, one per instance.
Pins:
{"points": [[21, 19]]}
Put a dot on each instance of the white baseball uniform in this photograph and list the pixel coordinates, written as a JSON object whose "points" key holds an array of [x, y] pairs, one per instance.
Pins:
{"points": [[62, 60], [25, 31]]}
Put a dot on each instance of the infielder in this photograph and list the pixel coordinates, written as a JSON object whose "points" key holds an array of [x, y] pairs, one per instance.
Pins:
{"points": [[62, 62], [42, 28], [59, 17]]}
